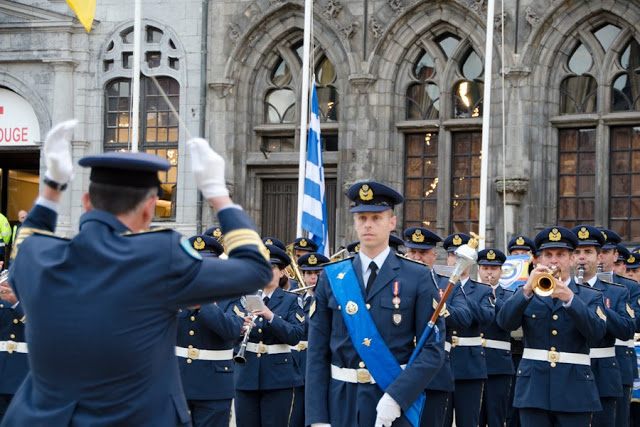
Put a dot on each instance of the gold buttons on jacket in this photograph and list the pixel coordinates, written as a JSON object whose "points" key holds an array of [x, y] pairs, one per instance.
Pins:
{"points": [[553, 364], [481, 334], [553, 349], [193, 318], [554, 332], [555, 317], [260, 319], [190, 346], [13, 336], [455, 332], [533, 316], [192, 332], [368, 306], [361, 364], [260, 330], [15, 321], [189, 360]]}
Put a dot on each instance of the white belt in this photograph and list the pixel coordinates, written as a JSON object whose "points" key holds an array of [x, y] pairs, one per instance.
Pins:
{"points": [[447, 346], [301, 346], [194, 353], [465, 341], [500, 345], [602, 352], [355, 376], [268, 349], [629, 343], [556, 356], [11, 346]]}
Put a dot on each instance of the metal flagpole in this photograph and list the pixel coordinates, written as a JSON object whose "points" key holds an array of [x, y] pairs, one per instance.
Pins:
{"points": [[486, 123], [135, 90], [304, 109]]}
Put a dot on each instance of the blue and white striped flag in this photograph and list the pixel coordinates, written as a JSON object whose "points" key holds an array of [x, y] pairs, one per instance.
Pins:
{"points": [[314, 202]]}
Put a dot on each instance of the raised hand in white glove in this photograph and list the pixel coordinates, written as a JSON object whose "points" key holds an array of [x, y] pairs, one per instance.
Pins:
{"points": [[208, 168], [388, 410], [57, 152]]}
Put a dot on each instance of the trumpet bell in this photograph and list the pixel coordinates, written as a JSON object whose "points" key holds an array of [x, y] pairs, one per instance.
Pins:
{"points": [[544, 284]]}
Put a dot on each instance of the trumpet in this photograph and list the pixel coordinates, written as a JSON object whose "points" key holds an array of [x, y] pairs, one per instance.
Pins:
{"points": [[545, 283], [239, 357]]}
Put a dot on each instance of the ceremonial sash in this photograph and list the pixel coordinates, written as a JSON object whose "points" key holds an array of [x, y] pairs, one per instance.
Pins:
{"points": [[366, 339]]}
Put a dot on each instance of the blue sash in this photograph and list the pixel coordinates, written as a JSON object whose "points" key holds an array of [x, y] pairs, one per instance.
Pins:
{"points": [[366, 339]]}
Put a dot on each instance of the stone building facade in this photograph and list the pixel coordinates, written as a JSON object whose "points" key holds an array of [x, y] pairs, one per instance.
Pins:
{"points": [[400, 85]]}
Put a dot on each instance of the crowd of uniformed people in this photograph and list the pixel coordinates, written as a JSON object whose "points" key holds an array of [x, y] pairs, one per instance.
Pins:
{"points": [[365, 338]]}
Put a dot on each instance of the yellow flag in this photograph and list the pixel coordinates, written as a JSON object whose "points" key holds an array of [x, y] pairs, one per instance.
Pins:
{"points": [[85, 10]]}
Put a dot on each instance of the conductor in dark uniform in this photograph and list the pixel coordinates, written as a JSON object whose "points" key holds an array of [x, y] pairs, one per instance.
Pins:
{"points": [[368, 310], [555, 385], [102, 306], [206, 336], [265, 382]]}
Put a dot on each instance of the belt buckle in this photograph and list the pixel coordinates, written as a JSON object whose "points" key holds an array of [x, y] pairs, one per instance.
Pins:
{"points": [[263, 349], [553, 356], [193, 353], [364, 377], [454, 341], [11, 346], [302, 346]]}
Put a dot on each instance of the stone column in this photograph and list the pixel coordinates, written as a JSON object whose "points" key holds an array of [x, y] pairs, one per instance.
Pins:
{"points": [[513, 190]]}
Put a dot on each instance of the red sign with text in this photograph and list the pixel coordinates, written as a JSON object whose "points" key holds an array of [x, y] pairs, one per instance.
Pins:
{"points": [[18, 121]]}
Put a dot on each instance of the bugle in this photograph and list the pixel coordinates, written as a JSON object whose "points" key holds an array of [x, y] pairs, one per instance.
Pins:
{"points": [[545, 283], [239, 357]]}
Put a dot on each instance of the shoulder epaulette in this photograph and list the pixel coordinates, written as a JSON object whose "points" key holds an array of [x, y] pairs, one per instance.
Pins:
{"points": [[480, 283], [153, 230], [616, 284], [590, 288], [409, 259], [25, 232], [349, 258]]}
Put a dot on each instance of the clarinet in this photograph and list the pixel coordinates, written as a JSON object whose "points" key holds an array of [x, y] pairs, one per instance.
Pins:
{"points": [[239, 357], [580, 274]]}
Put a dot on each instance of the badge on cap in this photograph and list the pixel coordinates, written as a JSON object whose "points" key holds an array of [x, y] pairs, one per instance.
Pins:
{"points": [[417, 237], [604, 235], [631, 259], [357, 248], [457, 241], [491, 255], [555, 235], [198, 244], [217, 233], [520, 241], [303, 243], [186, 245], [583, 233], [268, 242], [366, 193], [312, 260]]}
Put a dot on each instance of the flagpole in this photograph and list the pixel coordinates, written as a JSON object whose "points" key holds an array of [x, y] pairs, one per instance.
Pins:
{"points": [[486, 123], [135, 90], [304, 109]]}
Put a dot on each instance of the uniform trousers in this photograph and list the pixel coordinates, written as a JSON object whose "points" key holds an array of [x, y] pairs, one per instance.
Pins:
{"points": [[534, 417], [495, 402], [297, 413], [467, 401], [5, 399], [622, 407], [435, 408], [606, 417], [205, 413], [513, 413], [263, 408]]}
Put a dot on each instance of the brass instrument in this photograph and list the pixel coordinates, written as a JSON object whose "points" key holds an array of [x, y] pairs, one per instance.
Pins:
{"points": [[299, 290], [4, 276], [340, 255], [293, 271], [545, 283], [239, 357]]}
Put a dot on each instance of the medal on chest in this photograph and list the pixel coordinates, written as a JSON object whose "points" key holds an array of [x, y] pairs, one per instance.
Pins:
{"points": [[397, 316]]}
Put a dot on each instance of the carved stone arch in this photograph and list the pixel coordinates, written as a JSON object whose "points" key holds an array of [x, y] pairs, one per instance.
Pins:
{"points": [[12, 82], [612, 58]]}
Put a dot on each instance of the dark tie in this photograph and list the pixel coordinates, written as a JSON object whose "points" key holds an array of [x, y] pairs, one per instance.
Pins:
{"points": [[373, 267], [265, 300]]}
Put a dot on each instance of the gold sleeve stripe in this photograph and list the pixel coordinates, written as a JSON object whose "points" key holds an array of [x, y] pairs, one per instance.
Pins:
{"points": [[244, 237], [23, 233]]}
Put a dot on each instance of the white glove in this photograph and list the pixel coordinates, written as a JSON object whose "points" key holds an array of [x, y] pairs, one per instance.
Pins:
{"points": [[208, 168], [57, 152], [388, 410]]}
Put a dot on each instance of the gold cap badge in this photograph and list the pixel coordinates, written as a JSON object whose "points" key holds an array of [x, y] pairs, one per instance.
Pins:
{"points": [[366, 193], [357, 248], [417, 236], [631, 259], [268, 242], [520, 241], [491, 255], [313, 260], [198, 244], [604, 235], [555, 235], [583, 233], [217, 232], [303, 243], [457, 240]]}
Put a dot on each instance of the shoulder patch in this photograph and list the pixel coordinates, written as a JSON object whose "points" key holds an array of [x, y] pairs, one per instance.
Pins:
{"points": [[601, 314], [300, 318], [631, 313], [312, 309], [237, 311], [186, 246]]}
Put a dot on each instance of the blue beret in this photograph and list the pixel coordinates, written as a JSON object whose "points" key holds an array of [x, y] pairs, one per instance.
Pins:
{"points": [[588, 235], [278, 256], [454, 241], [555, 237], [521, 242], [633, 261], [275, 242], [611, 238], [206, 245], [215, 232], [491, 256], [421, 238], [126, 169], [371, 196], [312, 261], [305, 244], [353, 247], [623, 252]]}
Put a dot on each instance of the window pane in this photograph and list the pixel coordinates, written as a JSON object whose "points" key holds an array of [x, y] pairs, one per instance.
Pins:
{"points": [[472, 67], [580, 61], [281, 75], [421, 179], [576, 176], [465, 178], [279, 102], [606, 35], [425, 68], [423, 102], [448, 43], [414, 167], [624, 181], [325, 73], [567, 208], [578, 94], [467, 99]]}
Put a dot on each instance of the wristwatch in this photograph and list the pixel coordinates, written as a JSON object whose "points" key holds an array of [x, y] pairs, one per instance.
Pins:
{"points": [[55, 185]]}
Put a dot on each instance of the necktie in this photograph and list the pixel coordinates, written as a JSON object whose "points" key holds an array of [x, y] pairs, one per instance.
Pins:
{"points": [[373, 267], [265, 300]]}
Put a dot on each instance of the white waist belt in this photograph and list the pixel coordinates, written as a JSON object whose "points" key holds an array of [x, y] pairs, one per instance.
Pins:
{"points": [[465, 341], [301, 346], [355, 376], [629, 343], [194, 353], [499, 345], [268, 349], [11, 346], [556, 356], [447, 346], [602, 352]]}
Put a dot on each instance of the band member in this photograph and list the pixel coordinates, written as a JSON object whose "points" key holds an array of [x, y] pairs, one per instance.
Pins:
{"points": [[302, 246], [421, 246], [625, 350], [395, 242], [555, 384], [206, 336], [633, 267], [467, 353], [620, 265], [355, 369], [353, 248], [292, 283], [311, 266], [265, 383], [497, 344]]}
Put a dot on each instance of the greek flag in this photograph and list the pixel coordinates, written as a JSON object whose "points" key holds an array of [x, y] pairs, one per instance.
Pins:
{"points": [[314, 202]]}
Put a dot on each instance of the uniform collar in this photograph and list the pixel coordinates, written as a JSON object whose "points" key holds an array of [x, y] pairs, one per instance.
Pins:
{"points": [[379, 259], [105, 218]]}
